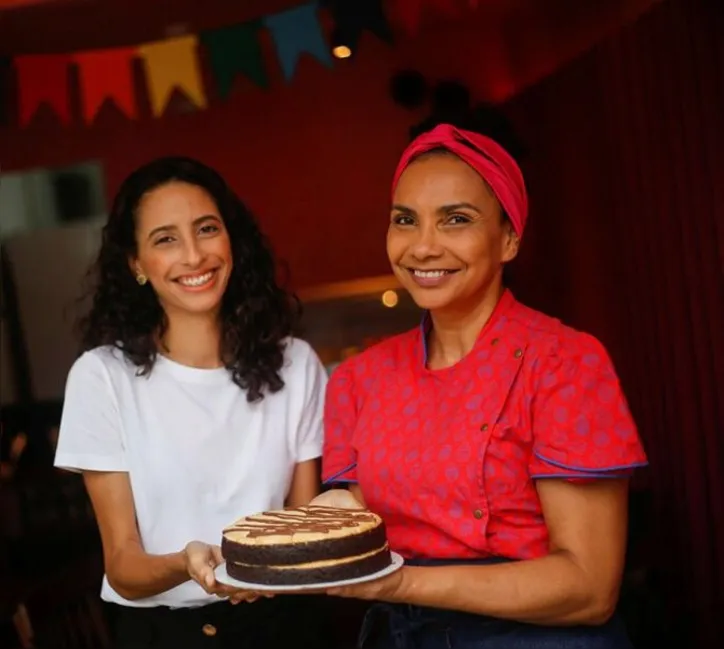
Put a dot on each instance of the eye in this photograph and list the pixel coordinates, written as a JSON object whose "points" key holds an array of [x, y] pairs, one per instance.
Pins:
{"points": [[403, 219], [162, 240], [458, 219], [209, 228]]}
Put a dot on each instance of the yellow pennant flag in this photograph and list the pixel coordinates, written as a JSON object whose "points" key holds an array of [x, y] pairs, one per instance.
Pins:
{"points": [[170, 64]]}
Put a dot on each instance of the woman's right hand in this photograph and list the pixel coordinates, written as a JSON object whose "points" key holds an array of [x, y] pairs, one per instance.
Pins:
{"points": [[341, 498], [201, 559]]}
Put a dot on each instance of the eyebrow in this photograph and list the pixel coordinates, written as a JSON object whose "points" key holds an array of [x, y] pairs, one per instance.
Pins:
{"points": [[169, 228], [444, 209]]}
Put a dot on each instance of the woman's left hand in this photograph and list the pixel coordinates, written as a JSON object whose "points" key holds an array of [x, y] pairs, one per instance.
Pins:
{"points": [[386, 589]]}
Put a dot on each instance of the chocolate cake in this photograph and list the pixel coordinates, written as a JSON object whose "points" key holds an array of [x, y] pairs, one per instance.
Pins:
{"points": [[305, 545]]}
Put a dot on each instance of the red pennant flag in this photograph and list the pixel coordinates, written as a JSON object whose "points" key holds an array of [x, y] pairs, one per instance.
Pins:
{"points": [[409, 12], [42, 78], [106, 74]]}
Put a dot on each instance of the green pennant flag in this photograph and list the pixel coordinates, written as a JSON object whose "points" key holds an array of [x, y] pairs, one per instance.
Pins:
{"points": [[235, 50]]}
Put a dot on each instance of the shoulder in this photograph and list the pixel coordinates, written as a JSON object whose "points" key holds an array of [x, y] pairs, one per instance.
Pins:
{"points": [[390, 354], [357, 374], [298, 352], [550, 341], [301, 362], [100, 362]]}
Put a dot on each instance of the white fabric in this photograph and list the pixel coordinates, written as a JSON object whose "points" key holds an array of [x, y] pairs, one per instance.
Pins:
{"points": [[197, 453]]}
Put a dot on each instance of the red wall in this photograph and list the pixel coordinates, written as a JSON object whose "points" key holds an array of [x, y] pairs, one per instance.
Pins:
{"points": [[314, 158]]}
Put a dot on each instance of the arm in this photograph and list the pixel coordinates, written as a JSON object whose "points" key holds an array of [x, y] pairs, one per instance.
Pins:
{"points": [[132, 573], [305, 483], [306, 479], [339, 460], [577, 583]]}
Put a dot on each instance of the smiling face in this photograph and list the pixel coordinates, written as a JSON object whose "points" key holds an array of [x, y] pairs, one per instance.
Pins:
{"points": [[447, 241], [183, 249]]}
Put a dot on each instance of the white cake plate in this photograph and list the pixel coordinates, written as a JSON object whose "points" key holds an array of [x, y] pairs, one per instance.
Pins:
{"points": [[223, 578]]}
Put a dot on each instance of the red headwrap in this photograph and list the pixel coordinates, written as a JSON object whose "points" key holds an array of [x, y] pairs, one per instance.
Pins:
{"points": [[486, 156]]}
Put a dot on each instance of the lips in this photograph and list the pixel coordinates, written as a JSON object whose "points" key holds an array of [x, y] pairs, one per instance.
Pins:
{"points": [[197, 279], [430, 274], [430, 278]]}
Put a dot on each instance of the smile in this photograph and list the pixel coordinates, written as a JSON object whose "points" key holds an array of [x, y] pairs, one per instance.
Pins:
{"points": [[430, 273], [430, 278], [196, 281]]}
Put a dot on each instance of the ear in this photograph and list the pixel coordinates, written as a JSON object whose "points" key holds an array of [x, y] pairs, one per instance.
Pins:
{"points": [[134, 266], [511, 244]]}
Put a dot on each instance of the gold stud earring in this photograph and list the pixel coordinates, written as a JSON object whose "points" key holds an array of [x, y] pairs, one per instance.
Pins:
{"points": [[141, 279]]}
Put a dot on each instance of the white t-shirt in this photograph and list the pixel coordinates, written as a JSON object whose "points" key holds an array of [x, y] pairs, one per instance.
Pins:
{"points": [[197, 453]]}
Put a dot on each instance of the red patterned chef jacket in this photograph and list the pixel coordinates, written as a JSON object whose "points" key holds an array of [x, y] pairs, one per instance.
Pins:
{"points": [[449, 458]]}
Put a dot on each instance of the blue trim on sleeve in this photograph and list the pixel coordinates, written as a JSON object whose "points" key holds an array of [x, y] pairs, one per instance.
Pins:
{"points": [[587, 476], [336, 476], [586, 471]]}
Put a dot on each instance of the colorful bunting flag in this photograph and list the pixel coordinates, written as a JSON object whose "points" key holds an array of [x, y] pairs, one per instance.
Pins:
{"points": [[171, 64], [106, 74], [42, 78], [295, 32], [352, 17], [235, 50]]}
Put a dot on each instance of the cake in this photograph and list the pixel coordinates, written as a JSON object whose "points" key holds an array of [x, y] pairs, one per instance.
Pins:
{"points": [[305, 546]]}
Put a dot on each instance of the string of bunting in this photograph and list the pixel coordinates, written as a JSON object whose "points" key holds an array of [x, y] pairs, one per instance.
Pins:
{"points": [[173, 63]]}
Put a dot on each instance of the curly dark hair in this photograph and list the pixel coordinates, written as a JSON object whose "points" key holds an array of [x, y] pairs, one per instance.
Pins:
{"points": [[257, 313]]}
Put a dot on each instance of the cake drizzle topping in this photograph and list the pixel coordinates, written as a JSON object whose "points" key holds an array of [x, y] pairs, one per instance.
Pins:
{"points": [[315, 518]]}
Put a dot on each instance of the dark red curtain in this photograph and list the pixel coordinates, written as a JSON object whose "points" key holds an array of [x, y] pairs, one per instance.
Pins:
{"points": [[626, 171]]}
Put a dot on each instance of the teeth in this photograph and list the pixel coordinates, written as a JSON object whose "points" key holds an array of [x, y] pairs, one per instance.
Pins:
{"points": [[429, 273], [196, 281]]}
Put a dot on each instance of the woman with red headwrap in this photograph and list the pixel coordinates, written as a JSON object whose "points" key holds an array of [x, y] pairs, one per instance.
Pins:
{"points": [[494, 441]]}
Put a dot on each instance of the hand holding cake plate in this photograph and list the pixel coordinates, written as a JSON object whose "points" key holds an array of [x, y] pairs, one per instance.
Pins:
{"points": [[312, 548]]}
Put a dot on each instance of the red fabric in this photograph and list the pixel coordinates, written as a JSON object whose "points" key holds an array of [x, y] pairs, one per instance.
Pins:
{"points": [[484, 155], [42, 79], [626, 161], [449, 457], [107, 74]]}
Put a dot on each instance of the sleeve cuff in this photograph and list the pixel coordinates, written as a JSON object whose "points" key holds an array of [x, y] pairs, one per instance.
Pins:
{"points": [[310, 452], [346, 474], [79, 462], [545, 467]]}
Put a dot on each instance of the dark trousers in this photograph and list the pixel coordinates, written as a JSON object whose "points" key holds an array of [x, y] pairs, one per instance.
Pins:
{"points": [[283, 621], [402, 626], [414, 627]]}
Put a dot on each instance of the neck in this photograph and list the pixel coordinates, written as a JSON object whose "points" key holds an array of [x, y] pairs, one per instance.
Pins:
{"points": [[455, 331], [193, 341]]}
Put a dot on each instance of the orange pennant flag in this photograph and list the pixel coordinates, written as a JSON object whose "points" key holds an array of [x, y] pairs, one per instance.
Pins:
{"points": [[42, 78], [171, 64], [106, 74]]}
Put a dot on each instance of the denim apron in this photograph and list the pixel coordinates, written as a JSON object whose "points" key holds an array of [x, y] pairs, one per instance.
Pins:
{"points": [[403, 626]]}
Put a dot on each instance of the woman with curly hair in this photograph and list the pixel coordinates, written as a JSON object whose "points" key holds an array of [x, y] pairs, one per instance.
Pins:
{"points": [[191, 405]]}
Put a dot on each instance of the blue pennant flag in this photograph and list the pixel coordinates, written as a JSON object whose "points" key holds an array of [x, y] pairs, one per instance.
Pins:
{"points": [[295, 32]]}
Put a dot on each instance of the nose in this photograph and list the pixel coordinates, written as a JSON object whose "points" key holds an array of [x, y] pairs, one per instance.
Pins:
{"points": [[426, 244], [193, 254]]}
